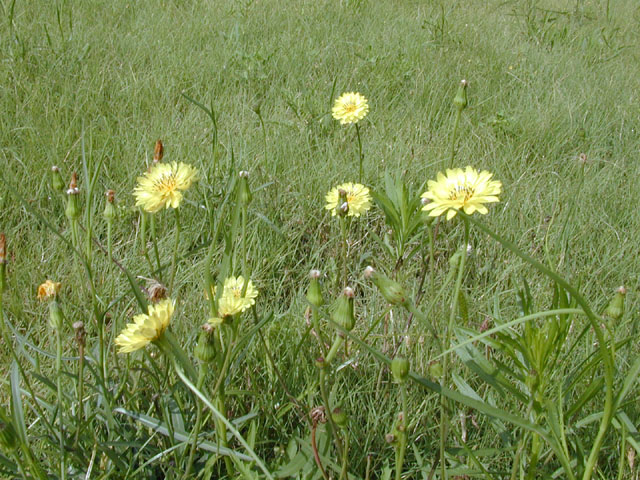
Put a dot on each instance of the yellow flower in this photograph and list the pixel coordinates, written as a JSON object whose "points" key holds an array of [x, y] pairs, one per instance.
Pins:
{"points": [[162, 186], [358, 199], [145, 327], [216, 321], [350, 107], [467, 190], [48, 290], [232, 301]]}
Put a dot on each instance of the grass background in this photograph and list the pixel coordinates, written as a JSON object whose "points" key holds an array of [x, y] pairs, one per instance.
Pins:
{"points": [[548, 80]]}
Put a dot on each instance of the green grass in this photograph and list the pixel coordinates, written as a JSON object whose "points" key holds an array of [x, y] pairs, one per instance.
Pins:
{"points": [[548, 80]]}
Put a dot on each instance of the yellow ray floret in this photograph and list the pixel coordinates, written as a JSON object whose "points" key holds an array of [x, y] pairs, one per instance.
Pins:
{"points": [[232, 300], [48, 290], [145, 327], [163, 185], [358, 199], [461, 189], [350, 107]]}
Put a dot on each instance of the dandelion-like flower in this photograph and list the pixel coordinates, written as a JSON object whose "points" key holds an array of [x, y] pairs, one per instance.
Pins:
{"points": [[48, 289], [162, 186], [145, 328], [357, 196], [350, 107], [467, 190], [232, 300]]}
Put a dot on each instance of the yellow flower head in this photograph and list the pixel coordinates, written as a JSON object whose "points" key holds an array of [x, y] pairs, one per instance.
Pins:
{"points": [[467, 190], [48, 290], [162, 186], [358, 199], [232, 301], [145, 327], [350, 107]]}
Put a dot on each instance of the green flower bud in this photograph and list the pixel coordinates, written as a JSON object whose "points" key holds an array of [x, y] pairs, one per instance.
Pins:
{"points": [[339, 417], [615, 309], [73, 211], [57, 183], [343, 313], [460, 100], [244, 192], [435, 370], [400, 369], [56, 317], [343, 204], [391, 290], [109, 209], [205, 350], [314, 293]]}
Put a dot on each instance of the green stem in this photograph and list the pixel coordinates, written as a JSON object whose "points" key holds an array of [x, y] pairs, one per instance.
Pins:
{"points": [[454, 137], [328, 412], [402, 447], [343, 249], [595, 324], [80, 394], [345, 457], [176, 244], [447, 343], [202, 373], [360, 154], [154, 235], [63, 470], [109, 239]]}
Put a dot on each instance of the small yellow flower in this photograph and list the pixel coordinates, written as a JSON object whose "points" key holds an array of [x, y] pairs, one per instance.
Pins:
{"points": [[163, 185], [350, 107], [216, 321], [358, 199], [48, 290], [232, 301], [467, 190], [145, 327]]}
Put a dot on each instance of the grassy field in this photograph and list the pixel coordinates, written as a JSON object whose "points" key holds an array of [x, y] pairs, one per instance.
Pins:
{"points": [[90, 87]]}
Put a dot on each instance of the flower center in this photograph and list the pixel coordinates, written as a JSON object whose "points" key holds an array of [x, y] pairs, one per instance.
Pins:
{"points": [[461, 191], [166, 183], [350, 107]]}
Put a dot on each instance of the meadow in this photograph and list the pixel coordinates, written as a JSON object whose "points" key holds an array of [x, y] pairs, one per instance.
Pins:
{"points": [[266, 318]]}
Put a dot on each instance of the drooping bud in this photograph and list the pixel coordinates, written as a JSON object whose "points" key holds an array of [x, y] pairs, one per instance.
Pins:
{"points": [[57, 183], [460, 100], [244, 192], [343, 310], [158, 152], [73, 211], [339, 417], [109, 209], [391, 290], [615, 309], [205, 350], [314, 292], [400, 369], [3, 263]]}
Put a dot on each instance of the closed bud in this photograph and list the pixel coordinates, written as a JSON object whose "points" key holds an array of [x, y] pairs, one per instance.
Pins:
{"points": [[391, 290], [321, 363], [73, 210], [400, 369], [390, 438], [460, 100], [56, 317], [244, 192], [314, 292], [57, 183], [339, 417], [343, 204], [615, 309], [435, 370], [205, 350], [109, 209], [343, 311], [158, 151]]}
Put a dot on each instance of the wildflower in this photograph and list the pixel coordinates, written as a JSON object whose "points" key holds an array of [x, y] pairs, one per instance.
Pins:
{"points": [[205, 350], [158, 152], [314, 293], [358, 199], [73, 210], [57, 183], [162, 186], [391, 290], [343, 310], [467, 190], [48, 290], [145, 328], [232, 300], [350, 107]]}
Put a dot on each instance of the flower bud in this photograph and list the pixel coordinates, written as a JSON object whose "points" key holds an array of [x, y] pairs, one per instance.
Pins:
{"points": [[314, 292], [244, 192], [400, 369], [615, 309], [73, 211], [320, 363], [205, 350], [390, 438], [435, 370], [460, 100], [57, 183], [56, 317], [109, 209], [158, 152], [391, 290], [81, 335], [339, 417], [343, 313], [343, 204]]}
